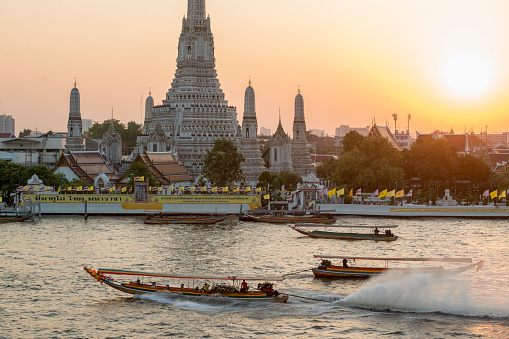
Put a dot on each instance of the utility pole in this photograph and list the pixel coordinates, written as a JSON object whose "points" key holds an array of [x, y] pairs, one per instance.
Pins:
{"points": [[395, 116]]}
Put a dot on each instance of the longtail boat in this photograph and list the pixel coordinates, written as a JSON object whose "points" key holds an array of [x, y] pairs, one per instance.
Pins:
{"points": [[14, 217], [185, 219], [379, 233], [230, 288], [350, 269], [292, 219]]}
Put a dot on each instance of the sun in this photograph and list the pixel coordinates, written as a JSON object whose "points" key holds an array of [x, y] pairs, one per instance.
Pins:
{"points": [[467, 74]]}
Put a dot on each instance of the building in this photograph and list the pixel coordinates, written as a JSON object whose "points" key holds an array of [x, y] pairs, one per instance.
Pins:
{"points": [[165, 167], [194, 112], [264, 131], [253, 165], [301, 160], [111, 144], [343, 130], [280, 151], [7, 124], [74, 140], [459, 141], [86, 124], [404, 139], [39, 149], [318, 132], [384, 132], [91, 167]]}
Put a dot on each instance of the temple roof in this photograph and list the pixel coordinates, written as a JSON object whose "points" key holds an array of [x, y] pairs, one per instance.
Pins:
{"points": [[87, 165], [165, 167]]}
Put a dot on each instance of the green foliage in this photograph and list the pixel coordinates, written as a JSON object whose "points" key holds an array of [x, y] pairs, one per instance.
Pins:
{"points": [[326, 168], [265, 177], [140, 170], [370, 164], [14, 175], [128, 134], [290, 180], [352, 140], [24, 133], [222, 163]]}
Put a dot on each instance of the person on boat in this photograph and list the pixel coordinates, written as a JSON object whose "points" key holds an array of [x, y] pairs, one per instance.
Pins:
{"points": [[345, 263], [153, 285], [376, 231], [388, 233], [168, 288], [182, 287], [138, 282], [243, 287], [206, 288]]}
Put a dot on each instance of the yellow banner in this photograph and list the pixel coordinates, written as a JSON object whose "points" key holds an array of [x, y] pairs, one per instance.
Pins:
{"points": [[205, 199], [79, 198]]}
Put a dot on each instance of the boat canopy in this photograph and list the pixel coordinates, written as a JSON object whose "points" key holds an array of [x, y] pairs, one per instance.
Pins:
{"points": [[343, 226], [467, 260], [181, 276]]}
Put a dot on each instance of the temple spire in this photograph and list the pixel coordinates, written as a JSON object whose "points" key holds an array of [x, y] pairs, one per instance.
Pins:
{"points": [[196, 9]]}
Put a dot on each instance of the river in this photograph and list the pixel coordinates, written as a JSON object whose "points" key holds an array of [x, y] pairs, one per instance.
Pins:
{"points": [[46, 293]]}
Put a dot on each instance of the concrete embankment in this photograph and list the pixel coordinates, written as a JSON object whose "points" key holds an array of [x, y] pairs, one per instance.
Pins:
{"points": [[417, 211]]}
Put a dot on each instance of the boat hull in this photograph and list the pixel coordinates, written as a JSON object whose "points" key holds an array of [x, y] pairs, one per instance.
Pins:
{"points": [[366, 272], [14, 218], [293, 220], [346, 236], [185, 220], [133, 288]]}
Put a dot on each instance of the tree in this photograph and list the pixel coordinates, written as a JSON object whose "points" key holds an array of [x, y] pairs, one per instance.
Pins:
{"points": [[326, 168], [24, 133], [290, 180], [15, 175], [222, 163], [351, 140], [128, 134]]}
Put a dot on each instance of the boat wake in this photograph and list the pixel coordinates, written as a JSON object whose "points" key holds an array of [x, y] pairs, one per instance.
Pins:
{"points": [[422, 292]]}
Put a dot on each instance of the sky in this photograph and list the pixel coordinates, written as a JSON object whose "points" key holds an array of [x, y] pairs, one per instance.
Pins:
{"points": [[442, 62]]}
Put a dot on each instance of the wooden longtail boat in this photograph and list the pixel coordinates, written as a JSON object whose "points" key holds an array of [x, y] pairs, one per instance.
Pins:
{"points": [[14, 217], [292, 219], [351, 270], [185, 219], [232, 290], [384, 235]]}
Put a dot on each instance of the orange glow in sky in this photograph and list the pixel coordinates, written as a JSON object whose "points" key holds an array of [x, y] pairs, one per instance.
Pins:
{"points": [[443, 62]]}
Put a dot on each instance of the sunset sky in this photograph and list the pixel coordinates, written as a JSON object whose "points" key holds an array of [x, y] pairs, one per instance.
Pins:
{"points": [[443, 62]]}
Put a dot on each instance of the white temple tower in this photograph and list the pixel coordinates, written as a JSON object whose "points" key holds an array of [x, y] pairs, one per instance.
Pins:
{"points": [[301, 160], [194, 112], [74, 140], [254, 164], [280, 151]]}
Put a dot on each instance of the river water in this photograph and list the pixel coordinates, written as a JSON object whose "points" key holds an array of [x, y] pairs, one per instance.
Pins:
{"points": [[45, 293]]}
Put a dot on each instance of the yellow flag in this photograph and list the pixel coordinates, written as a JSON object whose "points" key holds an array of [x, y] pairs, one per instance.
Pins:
{"points": [[502, 195], [204, 189], [58, 190], [225, 189], [400, 194], [181, 188], [124, 189], [1, 199], [332, 192], [391, 193], [383, 194], [170, 188], [91, 188], [258, 189], [248, 189], [80, 188], [193, 188], [493, 194], [341, 192], [312, 203], [160, 188], [236, 189], [351, 192], [112, 189], [266, 196], [142, 178], [214, 189], [69, 189]]}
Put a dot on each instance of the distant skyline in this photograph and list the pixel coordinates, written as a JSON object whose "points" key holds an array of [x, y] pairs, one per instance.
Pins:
{"points": [[443, 62]]}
